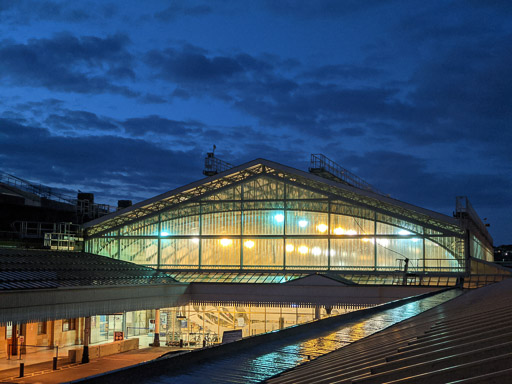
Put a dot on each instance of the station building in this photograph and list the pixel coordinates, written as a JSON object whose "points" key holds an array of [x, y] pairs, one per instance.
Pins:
{"points": [[263, 246], [265, 223]]}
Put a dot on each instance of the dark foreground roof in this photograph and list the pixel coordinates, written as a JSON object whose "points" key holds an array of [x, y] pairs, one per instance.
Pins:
{"points": [[465, 340], [36, 269]]}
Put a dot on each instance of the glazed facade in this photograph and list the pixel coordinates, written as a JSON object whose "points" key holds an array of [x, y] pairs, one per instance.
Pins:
{"points": [[270, 223]]}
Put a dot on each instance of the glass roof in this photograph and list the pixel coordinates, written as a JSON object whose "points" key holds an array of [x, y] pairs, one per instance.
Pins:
{"points": [[239, 278]]}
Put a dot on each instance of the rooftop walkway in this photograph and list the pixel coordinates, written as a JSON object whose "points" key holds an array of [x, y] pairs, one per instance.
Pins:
{"points": [[260, 357], [466, 340]]}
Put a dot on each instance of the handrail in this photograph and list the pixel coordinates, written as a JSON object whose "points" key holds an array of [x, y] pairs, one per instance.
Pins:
{"points": [[323, 163], [37, 189], [214, 165]]}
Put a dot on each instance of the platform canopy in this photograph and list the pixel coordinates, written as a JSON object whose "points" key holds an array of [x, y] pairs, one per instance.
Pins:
{"points": [[40, 285]]}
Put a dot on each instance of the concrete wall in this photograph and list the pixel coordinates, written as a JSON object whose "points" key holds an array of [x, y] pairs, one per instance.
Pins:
{"points": [[95, 351]]}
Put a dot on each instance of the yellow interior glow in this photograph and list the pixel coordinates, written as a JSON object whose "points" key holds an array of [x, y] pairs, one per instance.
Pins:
{"points": [[303, 249], [321, 228], [339, 231], [226, 242], [249, 244], [289, 247]]}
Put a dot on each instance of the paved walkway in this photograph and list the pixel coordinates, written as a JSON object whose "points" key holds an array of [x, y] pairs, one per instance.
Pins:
{"points": [[39, 355], [42, 372]]}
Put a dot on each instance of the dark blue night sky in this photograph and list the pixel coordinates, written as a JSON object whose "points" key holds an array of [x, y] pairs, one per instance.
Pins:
{"points": [[124, 98]]}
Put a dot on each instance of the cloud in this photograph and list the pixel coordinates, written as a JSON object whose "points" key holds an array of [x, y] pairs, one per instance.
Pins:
{"points": [[111, 166], [67, 63], [342, 72], [27, 11], [265, 88], [162, 126], [190, 67], [322, 9], [407, 177], [80, 121], [177, 10]]}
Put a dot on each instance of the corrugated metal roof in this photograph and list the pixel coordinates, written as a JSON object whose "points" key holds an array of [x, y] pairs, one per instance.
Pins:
{"points": [[468, 339], [37, 269]]}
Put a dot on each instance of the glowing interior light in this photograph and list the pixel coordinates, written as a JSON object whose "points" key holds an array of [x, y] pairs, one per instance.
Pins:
{"points": [[195, 240], [366, 240], [321, 228], [383, 242], [339, 231], [351, 232], [249, 244], [279, 218], [164, 233], [303, 249], [403, 232], [226, 242], [289, 247], [415, 240], [303, 223], [316, 251]]}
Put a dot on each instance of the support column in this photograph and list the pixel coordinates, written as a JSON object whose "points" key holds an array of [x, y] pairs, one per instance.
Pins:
{"points": [[156, 340], [51, 332], [14, 338], [317, 312], [87, 337]]}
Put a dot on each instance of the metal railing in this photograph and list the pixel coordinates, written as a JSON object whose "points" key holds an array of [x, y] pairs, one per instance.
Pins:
{"points": [[37, 189], [320, 162], [464, 206], [214, 165], [62, 241]]}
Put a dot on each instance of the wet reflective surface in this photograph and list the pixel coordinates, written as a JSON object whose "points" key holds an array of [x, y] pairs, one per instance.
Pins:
{"points": [[264, 361]]}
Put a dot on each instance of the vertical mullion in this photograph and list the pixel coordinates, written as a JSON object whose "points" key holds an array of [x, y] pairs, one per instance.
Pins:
{"points": [[329, 234], [159, 242], [200, 235], [424, 255], [241, 227], [284, 224], [375, 239], [118, 244]]}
